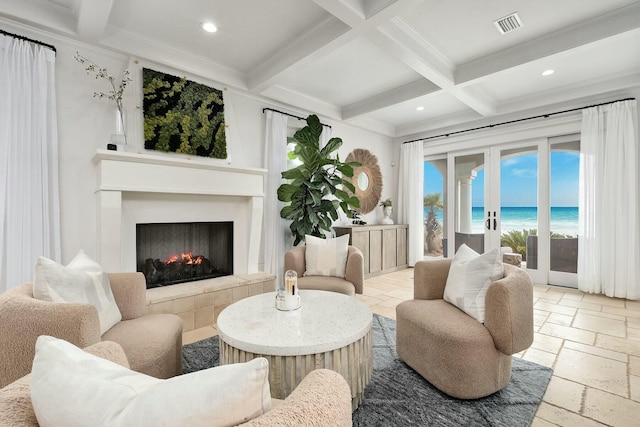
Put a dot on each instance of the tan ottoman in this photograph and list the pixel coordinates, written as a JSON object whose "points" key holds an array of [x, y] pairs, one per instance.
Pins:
{"points": [[513, 259]]}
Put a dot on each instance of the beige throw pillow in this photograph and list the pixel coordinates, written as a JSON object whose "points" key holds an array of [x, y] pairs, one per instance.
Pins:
{"points": [[81, 281], [470, 276], [70, 387], [326, 257]]}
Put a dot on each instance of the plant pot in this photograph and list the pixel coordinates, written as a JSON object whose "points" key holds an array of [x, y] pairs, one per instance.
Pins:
{"points": [[388, 210]]}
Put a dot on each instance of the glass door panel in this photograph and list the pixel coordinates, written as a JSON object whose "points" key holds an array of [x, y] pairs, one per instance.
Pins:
{"points": [[518, 223], [520, 195], [469, 206], [434, 202], [563, 244]]}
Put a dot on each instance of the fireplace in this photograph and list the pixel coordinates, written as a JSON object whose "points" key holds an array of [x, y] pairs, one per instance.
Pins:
{"points": [[170, 253]]}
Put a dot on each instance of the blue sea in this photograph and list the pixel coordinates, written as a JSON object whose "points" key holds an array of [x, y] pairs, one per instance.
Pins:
{"points": [[564, 220]]}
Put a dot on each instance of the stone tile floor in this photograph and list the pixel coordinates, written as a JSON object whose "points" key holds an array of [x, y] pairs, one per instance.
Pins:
{"points": [[591, 341]]}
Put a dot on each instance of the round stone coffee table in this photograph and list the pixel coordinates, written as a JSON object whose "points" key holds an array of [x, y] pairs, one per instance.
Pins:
{"points": [[329, 330]]}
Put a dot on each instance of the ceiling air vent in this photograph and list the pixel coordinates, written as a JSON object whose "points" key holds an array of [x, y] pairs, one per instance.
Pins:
{"points": [[508, 23]]}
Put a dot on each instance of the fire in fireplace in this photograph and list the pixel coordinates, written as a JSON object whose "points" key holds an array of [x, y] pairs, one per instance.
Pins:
{"points": [[181, 252]]}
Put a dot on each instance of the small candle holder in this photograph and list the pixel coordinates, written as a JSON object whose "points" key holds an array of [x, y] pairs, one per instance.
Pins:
{"points": [[287, 298]]}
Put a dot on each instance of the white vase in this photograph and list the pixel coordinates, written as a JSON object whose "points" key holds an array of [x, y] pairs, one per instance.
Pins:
{"points": [[388, 210]]}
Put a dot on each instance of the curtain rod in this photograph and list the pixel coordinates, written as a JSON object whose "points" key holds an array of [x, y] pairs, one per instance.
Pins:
{"points": [[290, 115], [17, 36], [518, 120]]}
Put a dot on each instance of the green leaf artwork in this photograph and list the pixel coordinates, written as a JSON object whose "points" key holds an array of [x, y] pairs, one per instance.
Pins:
{"points": [[182, 116]]}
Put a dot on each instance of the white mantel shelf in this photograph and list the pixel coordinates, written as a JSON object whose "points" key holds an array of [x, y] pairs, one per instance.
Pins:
{"points": [[133, 187], [122, 171]]}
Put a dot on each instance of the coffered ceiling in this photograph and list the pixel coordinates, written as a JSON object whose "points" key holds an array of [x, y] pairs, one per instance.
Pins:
{"points": [[373, 62]]}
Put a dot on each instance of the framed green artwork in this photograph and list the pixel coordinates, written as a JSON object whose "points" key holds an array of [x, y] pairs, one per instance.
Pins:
{"points": [[182, 116]]}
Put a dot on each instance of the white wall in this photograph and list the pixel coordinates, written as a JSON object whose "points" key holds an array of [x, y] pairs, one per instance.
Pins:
{"points": [[387, 154], [85, 123]]}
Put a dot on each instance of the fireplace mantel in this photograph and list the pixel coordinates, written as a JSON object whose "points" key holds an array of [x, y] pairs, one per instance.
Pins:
{"points": [[121, 171], [164, 182]]}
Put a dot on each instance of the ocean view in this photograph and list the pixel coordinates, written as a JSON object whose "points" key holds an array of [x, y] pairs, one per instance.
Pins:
{"points": [[564, 220]]}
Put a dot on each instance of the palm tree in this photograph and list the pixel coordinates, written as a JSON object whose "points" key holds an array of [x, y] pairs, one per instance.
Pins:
{"points": [[433, 203]]}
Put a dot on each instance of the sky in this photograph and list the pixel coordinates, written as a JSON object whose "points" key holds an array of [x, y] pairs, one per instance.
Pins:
{"points": [[519, 180]]}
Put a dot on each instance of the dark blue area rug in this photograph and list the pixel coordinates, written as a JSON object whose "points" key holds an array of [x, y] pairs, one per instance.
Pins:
{"points": [[398, 396]]}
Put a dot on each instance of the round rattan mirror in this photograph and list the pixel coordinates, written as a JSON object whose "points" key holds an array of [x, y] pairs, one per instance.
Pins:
{"points": [[366, 178]]}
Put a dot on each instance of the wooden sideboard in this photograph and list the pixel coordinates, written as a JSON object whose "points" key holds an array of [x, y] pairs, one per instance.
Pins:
{"points": [[384, 246]]}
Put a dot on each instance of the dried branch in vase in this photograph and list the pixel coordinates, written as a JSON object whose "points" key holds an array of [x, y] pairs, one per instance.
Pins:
{"points": [[116, 92]]}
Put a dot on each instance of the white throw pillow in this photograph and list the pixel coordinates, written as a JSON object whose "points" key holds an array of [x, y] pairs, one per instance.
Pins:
{"points": [[326, 257], [470, 276], [70, 387], [81, 281]]}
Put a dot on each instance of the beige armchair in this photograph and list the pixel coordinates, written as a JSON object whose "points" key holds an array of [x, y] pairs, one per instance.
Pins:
{"points": [[322, 398], [351, 284], [453, 351], [152, 343]]}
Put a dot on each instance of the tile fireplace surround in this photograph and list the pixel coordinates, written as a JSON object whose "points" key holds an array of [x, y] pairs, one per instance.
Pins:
{"points": [[199, 303], [137, 188]]}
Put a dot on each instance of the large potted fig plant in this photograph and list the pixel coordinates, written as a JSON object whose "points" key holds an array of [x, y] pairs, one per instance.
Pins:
{"points": [[314, 192]]}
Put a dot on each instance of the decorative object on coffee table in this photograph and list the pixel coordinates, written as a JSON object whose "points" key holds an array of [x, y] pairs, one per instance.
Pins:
{"points": [[332, 331], [287, 295]]}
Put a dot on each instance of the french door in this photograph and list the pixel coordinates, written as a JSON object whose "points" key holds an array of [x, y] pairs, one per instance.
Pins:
{"points": [[512, 196]]}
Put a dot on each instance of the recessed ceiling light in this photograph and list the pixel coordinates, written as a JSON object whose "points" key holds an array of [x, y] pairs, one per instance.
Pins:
{"points": [[419, 108], [547, 72], [209, 27]]}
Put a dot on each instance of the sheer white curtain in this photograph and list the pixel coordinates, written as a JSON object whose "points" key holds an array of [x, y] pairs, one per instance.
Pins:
{"points": [[609, 237], [410, 197], [325, 136], [275, 228], [29, 202]]}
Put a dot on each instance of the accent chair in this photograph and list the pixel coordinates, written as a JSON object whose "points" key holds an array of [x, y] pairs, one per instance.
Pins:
{"points": [[453, 351], [352, 283], [151, 342], [322, 398]]}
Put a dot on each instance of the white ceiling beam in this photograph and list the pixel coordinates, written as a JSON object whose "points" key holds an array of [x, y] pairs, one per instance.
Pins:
{"points": [[477, 99], [607, 25], [381, 11], [401, 42], [320, 41], [93, 17], [349, 12], [49, 16], [388, 98], [353, 12], [317, 43]]}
